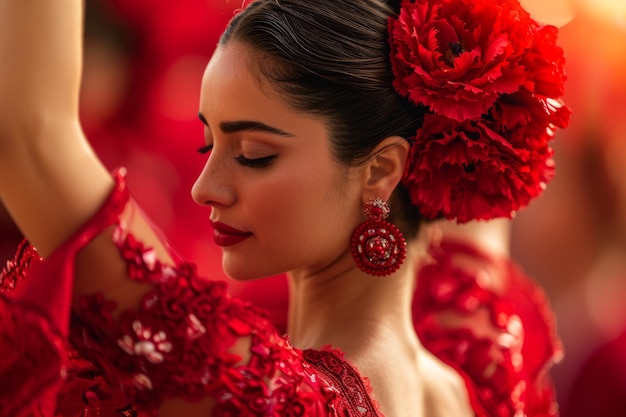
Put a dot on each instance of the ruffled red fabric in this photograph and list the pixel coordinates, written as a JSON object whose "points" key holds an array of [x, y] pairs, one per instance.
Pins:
{"points": [[176, 344], [484, 317], [490, 81]]}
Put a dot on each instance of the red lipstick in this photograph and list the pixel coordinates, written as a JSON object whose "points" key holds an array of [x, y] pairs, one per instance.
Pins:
{"points": [[225, 235]]}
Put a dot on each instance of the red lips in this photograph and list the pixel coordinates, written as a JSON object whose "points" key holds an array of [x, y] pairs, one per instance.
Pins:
{"points": [[225, 235]]}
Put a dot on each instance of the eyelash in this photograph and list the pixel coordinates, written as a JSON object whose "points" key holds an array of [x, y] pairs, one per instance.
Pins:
{"points": [[242, 160], [255, 163], [205, 149]]}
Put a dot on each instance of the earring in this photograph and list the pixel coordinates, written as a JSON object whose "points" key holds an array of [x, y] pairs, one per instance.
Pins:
{"points": [[378, 246]]}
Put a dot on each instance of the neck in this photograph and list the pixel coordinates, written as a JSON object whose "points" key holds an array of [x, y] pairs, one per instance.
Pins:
{"points": [[370, 319], [351, 310]]}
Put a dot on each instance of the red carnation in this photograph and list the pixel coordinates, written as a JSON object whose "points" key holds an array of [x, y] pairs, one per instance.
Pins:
{"points": [[458, 56], [466, 170], [490, 79], [544, 64]]}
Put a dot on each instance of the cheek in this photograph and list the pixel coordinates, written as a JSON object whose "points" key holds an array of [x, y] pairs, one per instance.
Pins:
{"points": [[303, 206], [280, 201]]}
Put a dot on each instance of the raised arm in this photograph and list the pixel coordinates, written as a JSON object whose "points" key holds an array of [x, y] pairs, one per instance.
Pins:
{"points": [[52, 183], [50, 180]]}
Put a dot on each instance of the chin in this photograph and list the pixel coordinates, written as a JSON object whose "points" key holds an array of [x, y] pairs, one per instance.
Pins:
{"points": [[245, 270]]}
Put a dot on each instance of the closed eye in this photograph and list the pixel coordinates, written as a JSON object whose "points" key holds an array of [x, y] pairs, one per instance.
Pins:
{"points": [[205, 149], [255, 163]]}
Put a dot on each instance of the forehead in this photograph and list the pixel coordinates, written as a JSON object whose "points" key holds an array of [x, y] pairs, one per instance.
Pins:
{"points": [[230, 60], [229, 76], [231, 91]]}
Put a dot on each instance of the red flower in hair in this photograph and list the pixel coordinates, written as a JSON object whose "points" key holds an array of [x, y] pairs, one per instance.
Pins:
{"points": [[490, 79], [452, 168], [458, 56]]}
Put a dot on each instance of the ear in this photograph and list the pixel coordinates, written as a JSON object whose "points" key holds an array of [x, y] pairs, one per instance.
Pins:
{"points": [[384, 170]]}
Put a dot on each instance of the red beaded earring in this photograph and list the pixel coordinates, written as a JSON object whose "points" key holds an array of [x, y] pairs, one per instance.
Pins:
{"points": [[378, 247]]}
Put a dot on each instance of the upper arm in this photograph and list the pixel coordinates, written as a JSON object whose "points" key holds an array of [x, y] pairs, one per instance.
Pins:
{"points": [[51, 182]]}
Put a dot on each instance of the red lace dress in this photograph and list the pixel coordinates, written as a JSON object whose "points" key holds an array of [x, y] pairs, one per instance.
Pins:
{"points": [[175, 345], [82, 362]]}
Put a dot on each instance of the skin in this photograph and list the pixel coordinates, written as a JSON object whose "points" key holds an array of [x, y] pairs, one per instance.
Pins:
{"points": [[51, 182], [328, 293], [302, 181]]}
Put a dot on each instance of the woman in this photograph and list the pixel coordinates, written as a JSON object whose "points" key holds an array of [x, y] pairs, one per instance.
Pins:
{"points": [[312, 122]]}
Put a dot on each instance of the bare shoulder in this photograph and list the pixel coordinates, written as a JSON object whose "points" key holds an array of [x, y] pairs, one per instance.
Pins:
{"points": [[445, 393]]}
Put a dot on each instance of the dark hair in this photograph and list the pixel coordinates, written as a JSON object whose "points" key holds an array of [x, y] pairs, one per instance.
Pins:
{"points": [[331, 58]]}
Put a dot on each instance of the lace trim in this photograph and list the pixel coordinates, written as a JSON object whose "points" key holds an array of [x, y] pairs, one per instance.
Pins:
{"points": [[16, 269], [346, 379]]}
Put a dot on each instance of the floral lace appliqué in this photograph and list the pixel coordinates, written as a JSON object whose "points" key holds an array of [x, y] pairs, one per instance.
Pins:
{"points": [[345, 382], [177, 344]]}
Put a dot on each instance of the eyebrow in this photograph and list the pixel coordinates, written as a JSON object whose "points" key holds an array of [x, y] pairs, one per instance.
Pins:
{"points": [[247, 125]]}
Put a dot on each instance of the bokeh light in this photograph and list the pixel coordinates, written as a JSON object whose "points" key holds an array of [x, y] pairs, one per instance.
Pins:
{"points": [[608, 9], [552, 12]]}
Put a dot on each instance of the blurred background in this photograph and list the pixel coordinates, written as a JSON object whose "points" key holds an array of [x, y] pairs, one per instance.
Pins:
{"points": [[143, 65], [573, 238]]}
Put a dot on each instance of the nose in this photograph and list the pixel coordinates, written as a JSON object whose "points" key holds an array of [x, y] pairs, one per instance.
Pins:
{"points": [[213, 186]]}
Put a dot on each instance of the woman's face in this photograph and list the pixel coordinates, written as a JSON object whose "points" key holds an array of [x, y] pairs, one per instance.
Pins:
{"points": [[279, 200]]}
